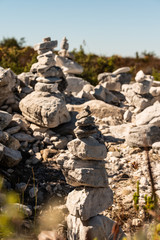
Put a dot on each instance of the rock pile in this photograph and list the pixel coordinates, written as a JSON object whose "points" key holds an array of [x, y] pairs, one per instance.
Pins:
{"points": [[113, 81], [46, 105], [83, 166]]}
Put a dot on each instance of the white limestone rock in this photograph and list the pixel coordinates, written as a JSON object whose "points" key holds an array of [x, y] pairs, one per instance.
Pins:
{"points": [[142, 87], [149, 115], [140, 76], [85, 203], [143, 136], [112, 86], [121, 70], [103, 94], [155, 91], [98, 227], [45, 109], [68, 66], [87, 149], [75, 84]]}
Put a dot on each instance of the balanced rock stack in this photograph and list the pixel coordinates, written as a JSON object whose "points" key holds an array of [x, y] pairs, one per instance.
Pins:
{"points": [[65, 60], [83, 166], [137, 94], [46, 106]]}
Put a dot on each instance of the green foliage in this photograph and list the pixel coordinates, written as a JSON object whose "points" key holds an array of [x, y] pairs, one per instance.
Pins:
{"points": [[136, 197], [149, 203], [12, 42], [10, 215], [156, 74]]}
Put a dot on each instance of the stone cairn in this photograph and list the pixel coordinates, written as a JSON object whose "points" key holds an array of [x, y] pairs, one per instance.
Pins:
{"points": [[46, 105], [137, 94], [83, 166]]}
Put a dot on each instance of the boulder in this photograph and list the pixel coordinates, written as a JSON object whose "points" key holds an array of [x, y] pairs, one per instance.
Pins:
{"points": [[143, 136], [75, 84], [149, 115], [5, 119], [45, 109], [98, 227], [85, 203], [99, 109], [87, 149]]}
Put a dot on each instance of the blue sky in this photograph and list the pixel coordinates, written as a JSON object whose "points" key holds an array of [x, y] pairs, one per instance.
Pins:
{"points": [[108, 26]]}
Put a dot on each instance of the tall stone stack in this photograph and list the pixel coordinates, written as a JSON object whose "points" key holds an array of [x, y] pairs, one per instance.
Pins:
{"points": [[46, 105], [83, 166]]}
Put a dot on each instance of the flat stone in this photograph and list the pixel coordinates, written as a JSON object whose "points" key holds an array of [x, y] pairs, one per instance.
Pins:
{"points": [[48, 80], [155, 91], [86, 121], [50, 45], [112, 86], [87, 149], [45, 87], [75, 84], [98, 227], [82, 173], [23, 137], [51, 72], [88, 202], [45, 109], [85, 131], [121, 70], [5, 119]]}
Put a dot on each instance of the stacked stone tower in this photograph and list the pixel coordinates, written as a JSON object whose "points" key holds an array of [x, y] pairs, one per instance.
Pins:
{"points": [[84, 167], [46, 105]]}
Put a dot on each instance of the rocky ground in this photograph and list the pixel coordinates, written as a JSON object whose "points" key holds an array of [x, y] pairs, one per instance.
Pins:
{"points": [[37, 122]]}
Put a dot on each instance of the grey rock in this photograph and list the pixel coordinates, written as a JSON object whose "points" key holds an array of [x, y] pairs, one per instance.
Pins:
{"points": [[23, 137], [143, 136], [49, 80], [140, 76], [13, 130], [5, 119], [7, 83], [27, 79], [11, 157], [21, 187], [103, 94], [98, 227], [87, 149], [127, 116], [33, 192], [49, 45], [79, 201], [45, 109], [112, 86]]}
